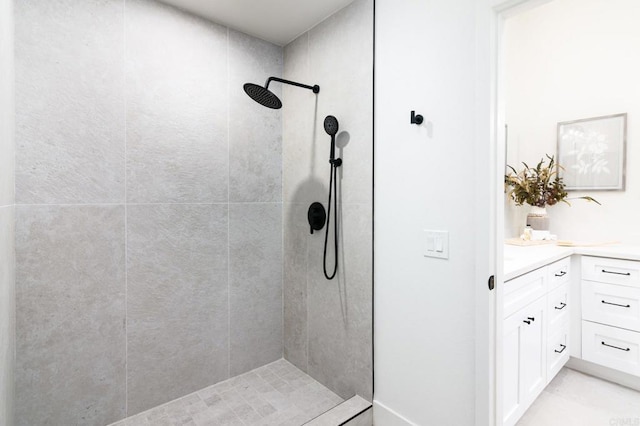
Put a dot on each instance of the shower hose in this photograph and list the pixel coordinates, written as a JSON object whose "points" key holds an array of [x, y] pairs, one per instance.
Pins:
{"points": [[333, 195]]}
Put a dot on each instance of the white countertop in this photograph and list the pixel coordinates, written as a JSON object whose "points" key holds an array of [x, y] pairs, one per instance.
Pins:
{"points": [[520, 260]]}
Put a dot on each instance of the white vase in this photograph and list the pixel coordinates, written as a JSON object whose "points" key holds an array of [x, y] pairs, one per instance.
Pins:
{"points": [[538, 219]]}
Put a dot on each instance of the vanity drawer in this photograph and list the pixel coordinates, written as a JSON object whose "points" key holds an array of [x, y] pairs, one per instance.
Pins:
{"points": [[557, 350], [612, 271], [522, 290], [611, 304], [558, 306], [611, 347], [559, 273]]}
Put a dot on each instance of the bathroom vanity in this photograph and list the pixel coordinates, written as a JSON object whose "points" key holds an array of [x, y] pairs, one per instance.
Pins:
{"points": [[576, 305]]}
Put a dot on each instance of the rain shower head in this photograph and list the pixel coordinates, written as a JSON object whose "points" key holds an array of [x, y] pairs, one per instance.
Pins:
{"points": [[265, 97], [331, 125]]}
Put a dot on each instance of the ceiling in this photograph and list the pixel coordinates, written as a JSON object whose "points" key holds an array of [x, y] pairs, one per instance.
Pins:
{"points": [[277, 21]]}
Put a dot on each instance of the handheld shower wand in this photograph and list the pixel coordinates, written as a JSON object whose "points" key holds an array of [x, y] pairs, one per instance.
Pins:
{"points": [[331, 127]]}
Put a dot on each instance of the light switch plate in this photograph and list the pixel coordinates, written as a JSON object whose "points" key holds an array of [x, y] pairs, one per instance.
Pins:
{"points": [[436, 244]]}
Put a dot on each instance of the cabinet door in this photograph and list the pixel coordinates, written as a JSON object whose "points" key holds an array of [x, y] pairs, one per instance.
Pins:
{"points": [[512, 404], [533, 350], [559, 273], [558, 307], [612, 271], [611, 304], [524, 359], [521, 291], [612, 347], [557, 349]]}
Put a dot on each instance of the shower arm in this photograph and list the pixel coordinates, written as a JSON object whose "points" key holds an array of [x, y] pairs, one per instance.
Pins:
{"points": [[315, 88]]}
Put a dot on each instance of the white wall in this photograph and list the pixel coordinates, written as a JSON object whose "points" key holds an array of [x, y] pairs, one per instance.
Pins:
{"points": [[7, 201], [566, 60], [432, 57]]}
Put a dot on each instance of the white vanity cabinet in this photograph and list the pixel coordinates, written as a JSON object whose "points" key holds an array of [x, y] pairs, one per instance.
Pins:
{"points": [[611, 313], [535, 335]]}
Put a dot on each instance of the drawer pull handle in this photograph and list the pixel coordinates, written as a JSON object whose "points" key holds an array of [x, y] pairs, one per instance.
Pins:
{"points": [[561, 350], [561, 274], [531, 318], [528, 322], [563, 305], [615, 304], [626, 274], [616, 347]]}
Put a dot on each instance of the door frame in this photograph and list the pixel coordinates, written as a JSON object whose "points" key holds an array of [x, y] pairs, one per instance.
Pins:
{"points": [[501, 10]]}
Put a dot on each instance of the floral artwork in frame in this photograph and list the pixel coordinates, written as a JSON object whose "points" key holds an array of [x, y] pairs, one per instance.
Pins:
{"points": [[591, 153]]}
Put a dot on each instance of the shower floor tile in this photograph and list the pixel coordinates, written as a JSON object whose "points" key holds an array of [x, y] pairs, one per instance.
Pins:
{"points": [[275, 394]]}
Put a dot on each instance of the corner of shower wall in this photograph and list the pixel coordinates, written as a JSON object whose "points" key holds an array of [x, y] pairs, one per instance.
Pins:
{"points": [[328, 324], [7, 216], [7, 314]]}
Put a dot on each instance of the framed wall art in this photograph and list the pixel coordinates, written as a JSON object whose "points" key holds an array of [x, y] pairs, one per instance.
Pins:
{"points": [[591, 152]]}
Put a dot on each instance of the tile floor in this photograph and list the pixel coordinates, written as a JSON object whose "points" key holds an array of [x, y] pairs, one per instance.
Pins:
{"points": [[576, 399], [276, 394]]}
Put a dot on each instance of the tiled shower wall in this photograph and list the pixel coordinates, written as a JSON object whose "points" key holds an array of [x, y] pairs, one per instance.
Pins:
{"points": [[149, 208], [328, 324], [7, 211]]}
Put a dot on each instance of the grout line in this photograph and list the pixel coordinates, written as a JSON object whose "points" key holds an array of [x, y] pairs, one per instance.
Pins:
{"points": [[282, 217], [307, 237], [140, 204], [126, 224], [306, 203], [13, 140], [228, 214], [71, 204]]}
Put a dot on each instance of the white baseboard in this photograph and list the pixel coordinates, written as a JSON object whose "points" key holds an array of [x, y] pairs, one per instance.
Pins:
{"points": [[385, 416], [605, 373]]}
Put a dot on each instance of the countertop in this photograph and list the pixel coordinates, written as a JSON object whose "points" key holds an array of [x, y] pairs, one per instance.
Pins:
{"points": [[520, 260]]}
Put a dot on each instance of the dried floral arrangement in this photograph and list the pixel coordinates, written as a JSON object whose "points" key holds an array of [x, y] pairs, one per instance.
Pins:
{"points": [[538, 186]]}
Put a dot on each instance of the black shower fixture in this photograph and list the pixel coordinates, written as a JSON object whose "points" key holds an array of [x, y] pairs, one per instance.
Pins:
{"points": [[317, 216], [331, 127], [265, 97]]}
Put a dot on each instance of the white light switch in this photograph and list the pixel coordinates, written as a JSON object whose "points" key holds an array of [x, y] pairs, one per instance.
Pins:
{"points": [[431, 244], [436, 244]]}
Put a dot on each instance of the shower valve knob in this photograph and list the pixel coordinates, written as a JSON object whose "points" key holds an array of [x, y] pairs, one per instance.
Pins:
{"points": [[317, 216], [416, 118]]}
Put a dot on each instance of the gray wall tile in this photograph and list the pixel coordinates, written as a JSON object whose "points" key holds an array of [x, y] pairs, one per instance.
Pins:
{"points": [[70, 291], [176, 106], [333, 45], [7, 312], [7, 215], [255, 132], [295, 235], [255, 261], [7, 107], [340, 311], [339, 319], [171, 94], [304, 175], [69, 101], [177, 307]]}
